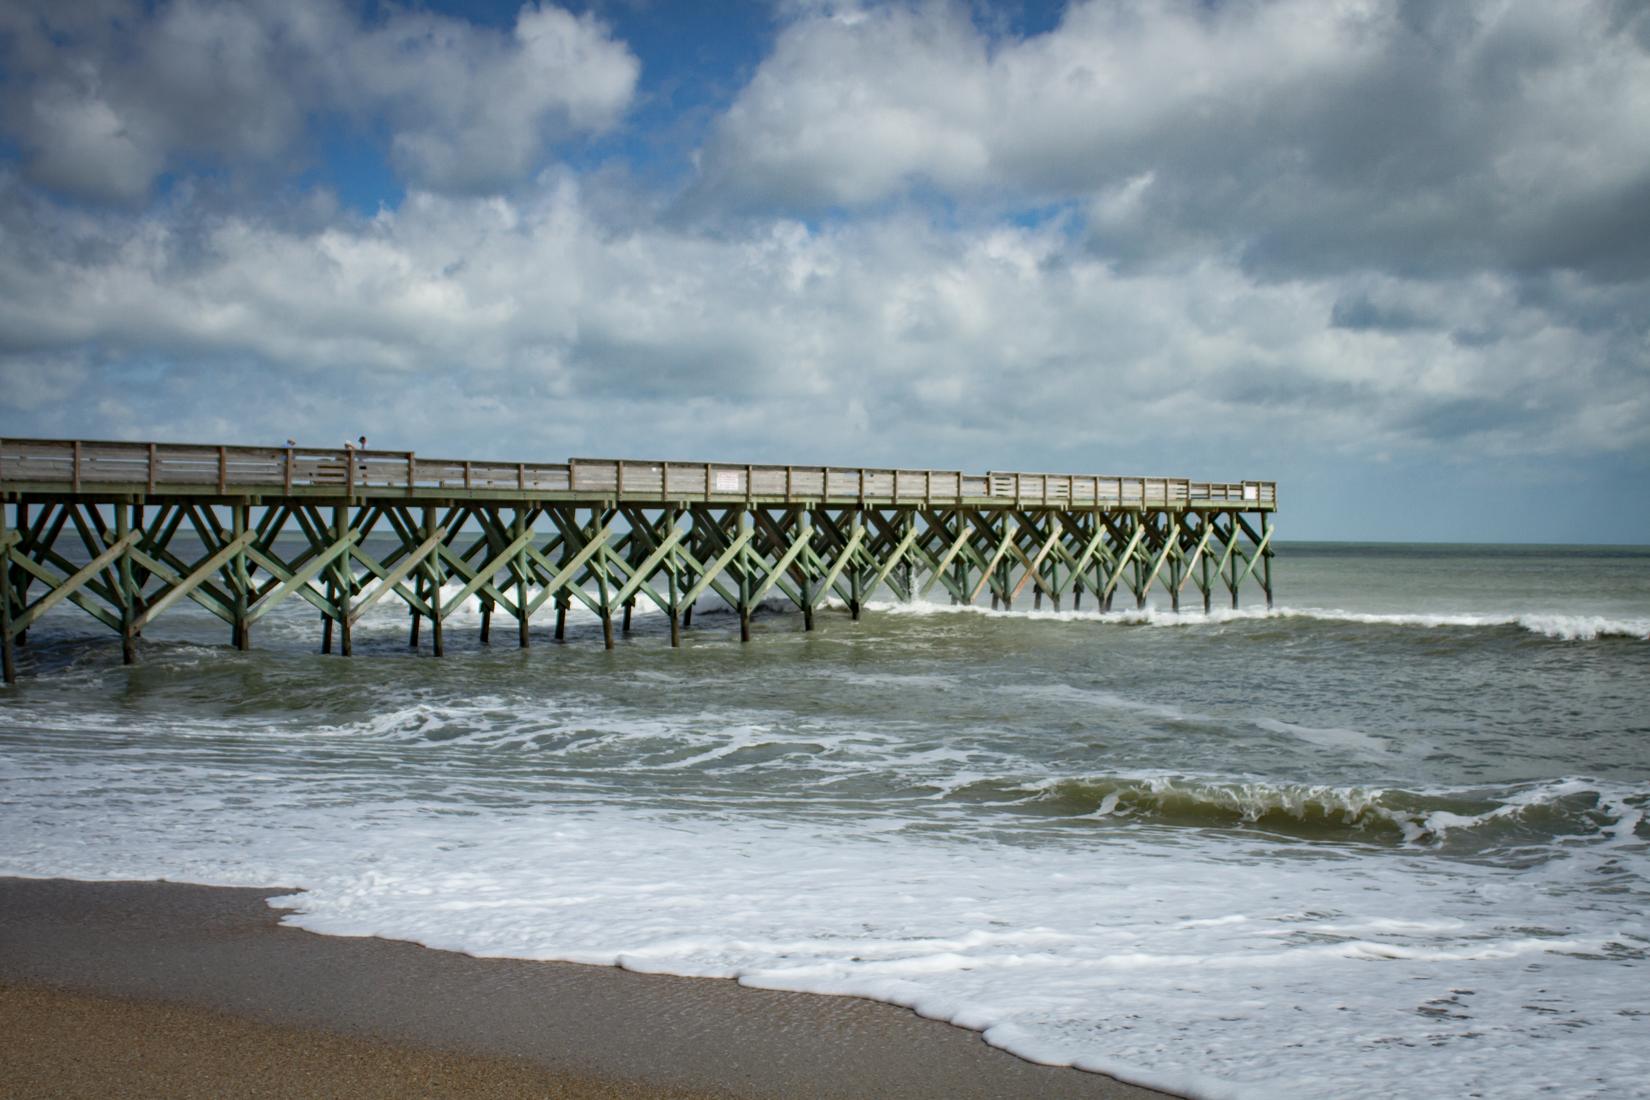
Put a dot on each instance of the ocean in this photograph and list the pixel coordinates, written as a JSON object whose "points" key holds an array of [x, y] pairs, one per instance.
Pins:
{"points": [[1389, 838]]}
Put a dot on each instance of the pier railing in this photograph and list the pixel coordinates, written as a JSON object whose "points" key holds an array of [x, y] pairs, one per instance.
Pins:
{"points": [[80, 465]]}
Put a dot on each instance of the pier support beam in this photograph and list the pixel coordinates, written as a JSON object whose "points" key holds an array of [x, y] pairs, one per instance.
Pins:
{"points": [[346, 581], [743, 524], [604, 591], [21, 579], [1266, 557], [239, 525], [432, 567], [674, 609], [518, 529], [128, 598], [8, 659]]}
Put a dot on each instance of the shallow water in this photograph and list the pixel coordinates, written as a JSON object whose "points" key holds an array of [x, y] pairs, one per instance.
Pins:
{"points": [[1390, 836]]}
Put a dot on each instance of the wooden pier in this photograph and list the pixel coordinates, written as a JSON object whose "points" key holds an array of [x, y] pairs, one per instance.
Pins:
{"points": [[126, 530]]}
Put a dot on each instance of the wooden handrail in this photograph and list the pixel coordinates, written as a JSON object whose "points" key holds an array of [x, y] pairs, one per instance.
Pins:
{"points": [[156, 467]]}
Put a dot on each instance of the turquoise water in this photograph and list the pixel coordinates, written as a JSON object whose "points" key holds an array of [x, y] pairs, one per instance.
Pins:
{"points": [[1387, 837]]}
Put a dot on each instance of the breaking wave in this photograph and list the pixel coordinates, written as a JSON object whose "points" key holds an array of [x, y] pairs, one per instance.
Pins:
{"points": [[1568, 628], [1537, 814]]}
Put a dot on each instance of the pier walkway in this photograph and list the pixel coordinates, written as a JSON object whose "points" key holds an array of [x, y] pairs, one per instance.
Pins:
{"points": [[126, 530]]}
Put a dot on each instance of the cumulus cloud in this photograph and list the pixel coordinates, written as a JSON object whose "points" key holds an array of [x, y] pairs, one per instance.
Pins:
{"points": [[531, 312], [1245, 239], [1299, 135], [103, 98]]}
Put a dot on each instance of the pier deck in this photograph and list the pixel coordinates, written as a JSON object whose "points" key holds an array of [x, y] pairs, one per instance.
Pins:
{"points": [[126, 530]]}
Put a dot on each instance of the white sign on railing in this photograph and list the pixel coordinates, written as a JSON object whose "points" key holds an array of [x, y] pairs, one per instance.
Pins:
{"points": [[727, 481]]}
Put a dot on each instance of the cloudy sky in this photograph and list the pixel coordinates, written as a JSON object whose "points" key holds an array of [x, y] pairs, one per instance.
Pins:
{"points": [[1395, 255]]}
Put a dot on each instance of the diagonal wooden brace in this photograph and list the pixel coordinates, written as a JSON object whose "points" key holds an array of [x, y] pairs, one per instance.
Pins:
{"points": [[1197, 554], [394, 577], [892, 560], [185, 586], [945, 560], [784, 563], [301, 578], [1032, 564], [1011, 528], [62, 590], [482, 578], [1122, 560], [717, 566]]}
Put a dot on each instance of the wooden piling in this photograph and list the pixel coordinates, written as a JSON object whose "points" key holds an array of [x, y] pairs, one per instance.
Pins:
{"points": [[240, 522], [20, 581], [8, 658], [436, 576], [346, 578], [1266, 558], [519, 530], [673, 610], [128, 640]]}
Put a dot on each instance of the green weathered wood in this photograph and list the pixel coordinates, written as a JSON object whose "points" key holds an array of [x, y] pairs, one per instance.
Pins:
{"points": [[302, 577], [778, 570], [64, 588], [479, 579], [716, 567], [1123, 559], [391, 580], [1197, 554], [185, 586], [1033, 564], [1260, 551], [568, 571], [641, 572], [8, 659], [1169, 548], [1010, 527], [891, 561], [1229, 537], [1078, 564], [842, 559], [939, 567], [280, 573], [807, 544], [105, 581], [24, 620], [383, 572]]}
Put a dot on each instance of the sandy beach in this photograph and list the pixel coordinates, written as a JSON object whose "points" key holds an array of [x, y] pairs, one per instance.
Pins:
{"points": [[160, 989]]}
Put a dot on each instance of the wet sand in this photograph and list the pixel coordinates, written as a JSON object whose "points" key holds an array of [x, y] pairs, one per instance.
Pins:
{"points": [[160, 989]]}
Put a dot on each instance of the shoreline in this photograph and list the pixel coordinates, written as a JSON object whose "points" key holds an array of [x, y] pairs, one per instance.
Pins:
{"points": [[120, 969]]}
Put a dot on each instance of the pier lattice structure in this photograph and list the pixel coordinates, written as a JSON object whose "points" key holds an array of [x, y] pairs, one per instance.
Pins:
{"points": [[125, 531]]}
